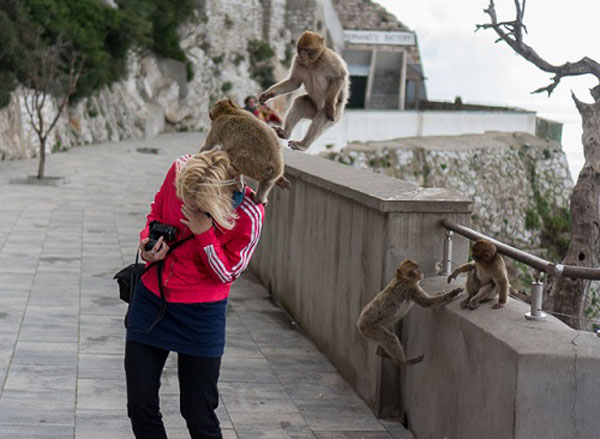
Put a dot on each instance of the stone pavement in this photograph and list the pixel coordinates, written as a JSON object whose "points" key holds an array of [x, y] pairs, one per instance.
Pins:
{"points": [[61, 323]]}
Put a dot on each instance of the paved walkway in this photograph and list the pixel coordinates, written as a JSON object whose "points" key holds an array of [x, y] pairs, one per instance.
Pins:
{"points": [[61, 330]]}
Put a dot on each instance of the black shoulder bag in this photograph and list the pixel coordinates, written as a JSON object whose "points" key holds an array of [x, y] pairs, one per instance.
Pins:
{"points": [[129, 276]]}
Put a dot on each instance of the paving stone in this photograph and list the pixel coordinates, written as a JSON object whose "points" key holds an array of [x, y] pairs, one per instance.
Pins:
{"points": [[51, 324], [102, 424], [101, 394], [56, 383], [297, 358], [5, 357], [102, 334], [101, 366], [256, 398], [239, 370], [17, 408], [241, 345], [273, 426], [107, 304], [45, 354], [36, 432], [338, 418]]}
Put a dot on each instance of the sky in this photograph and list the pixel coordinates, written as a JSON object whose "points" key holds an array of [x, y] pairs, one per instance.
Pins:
{"points": [[460, 62]]}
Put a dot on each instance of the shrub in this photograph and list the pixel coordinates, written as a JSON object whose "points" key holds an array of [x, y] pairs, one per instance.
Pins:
{"points": [[237, 59], [261, 68], [226, 87], [532, 220], [260, 51], [228, 22]]}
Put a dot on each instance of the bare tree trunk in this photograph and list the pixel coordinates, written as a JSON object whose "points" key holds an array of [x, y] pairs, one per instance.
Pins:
{"points": [[42, 161], [567, 296], [44, 78]]}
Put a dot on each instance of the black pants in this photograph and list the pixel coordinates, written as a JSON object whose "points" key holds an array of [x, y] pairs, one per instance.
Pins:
{"points": [[197, 387]]}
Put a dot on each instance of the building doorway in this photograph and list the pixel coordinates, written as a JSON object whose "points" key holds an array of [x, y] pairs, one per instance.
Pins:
{"points": [[358, 91]]}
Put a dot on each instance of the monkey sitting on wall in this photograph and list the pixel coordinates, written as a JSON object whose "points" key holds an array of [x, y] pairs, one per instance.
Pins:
{"points": [[325, 78], [487, 276], [252, 146], [391, 304]]}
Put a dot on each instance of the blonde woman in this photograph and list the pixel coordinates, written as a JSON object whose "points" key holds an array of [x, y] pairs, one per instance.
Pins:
{"points": [[204, 199]]}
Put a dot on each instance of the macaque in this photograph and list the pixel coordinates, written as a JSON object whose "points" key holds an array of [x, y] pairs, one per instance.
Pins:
{"points": [[252, 146], [487, 276], [325, 78], [392, 304]]}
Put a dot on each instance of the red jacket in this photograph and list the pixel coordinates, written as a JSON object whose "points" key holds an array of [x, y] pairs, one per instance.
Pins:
{"points": [[202, 269]]}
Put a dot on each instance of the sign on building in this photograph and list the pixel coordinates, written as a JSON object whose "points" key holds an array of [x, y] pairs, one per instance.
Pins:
{"points": [[379, 37]]}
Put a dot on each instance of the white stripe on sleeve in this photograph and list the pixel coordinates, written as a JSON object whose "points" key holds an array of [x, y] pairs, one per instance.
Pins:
{"points": [[256, 217], [247, 209], [216, 265]]}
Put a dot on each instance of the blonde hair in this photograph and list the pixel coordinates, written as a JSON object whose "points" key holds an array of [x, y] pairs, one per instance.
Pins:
{"points": [[205, 183]]}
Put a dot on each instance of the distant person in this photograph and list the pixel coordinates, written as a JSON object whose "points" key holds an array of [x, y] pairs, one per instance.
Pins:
{"points": [[269, 115], [218, 225], [251, 105]]}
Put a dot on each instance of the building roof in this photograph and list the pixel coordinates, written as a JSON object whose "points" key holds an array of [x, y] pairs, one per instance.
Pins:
{"points": [[366, 15]]}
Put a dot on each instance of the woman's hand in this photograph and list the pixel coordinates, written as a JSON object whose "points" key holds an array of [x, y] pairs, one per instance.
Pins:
{"points": [[197, 222], [158, 252]]}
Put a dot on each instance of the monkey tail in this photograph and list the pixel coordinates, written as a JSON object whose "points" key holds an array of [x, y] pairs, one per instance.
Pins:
{"points": [[414, 360]]}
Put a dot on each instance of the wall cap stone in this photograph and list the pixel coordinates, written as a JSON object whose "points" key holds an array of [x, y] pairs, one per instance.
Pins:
{"points": [[377, 191], [551, 337]]}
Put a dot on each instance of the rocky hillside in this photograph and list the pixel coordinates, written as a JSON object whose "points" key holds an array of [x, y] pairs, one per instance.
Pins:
{"points": [[232, 46], [520, 184]]}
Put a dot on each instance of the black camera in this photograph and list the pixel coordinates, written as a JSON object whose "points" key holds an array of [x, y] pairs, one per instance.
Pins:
{"points": [[169, 233]]}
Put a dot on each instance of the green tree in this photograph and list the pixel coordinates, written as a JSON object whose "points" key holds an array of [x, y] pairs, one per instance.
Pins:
{"points": [[100, 34]]}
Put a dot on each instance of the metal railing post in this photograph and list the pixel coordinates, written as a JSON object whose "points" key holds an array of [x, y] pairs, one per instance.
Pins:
{"points": [[447, 262], [537, 290]]}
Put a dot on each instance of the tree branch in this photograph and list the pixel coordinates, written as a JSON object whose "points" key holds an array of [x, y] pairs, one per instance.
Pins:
{"points": [[74, 72], [511, 32], [29, 109]]}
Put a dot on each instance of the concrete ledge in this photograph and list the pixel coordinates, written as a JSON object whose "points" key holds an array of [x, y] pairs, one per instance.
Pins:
{"points": [[493, 374], [373, 190], [333, 241]]}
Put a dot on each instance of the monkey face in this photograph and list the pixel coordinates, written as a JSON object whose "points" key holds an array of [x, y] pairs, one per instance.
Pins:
{"points": [[409, 271], [483, 250], [417, 274], [310, 47]]}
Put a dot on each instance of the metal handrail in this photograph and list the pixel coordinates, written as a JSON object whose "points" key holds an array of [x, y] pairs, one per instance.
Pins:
{"points": [[542, 265]]}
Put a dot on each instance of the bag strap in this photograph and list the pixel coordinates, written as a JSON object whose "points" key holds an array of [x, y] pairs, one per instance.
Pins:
{"points": [[159, 270], [156, 263]]}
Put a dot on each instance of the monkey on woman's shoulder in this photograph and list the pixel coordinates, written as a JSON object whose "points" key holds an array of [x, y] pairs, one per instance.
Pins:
{"points": [[252, 146]]}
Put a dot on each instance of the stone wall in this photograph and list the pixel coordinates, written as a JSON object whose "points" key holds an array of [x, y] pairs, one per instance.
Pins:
{"points": [[156, 96], [500, 172], [367, 15], [300, 15]]}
